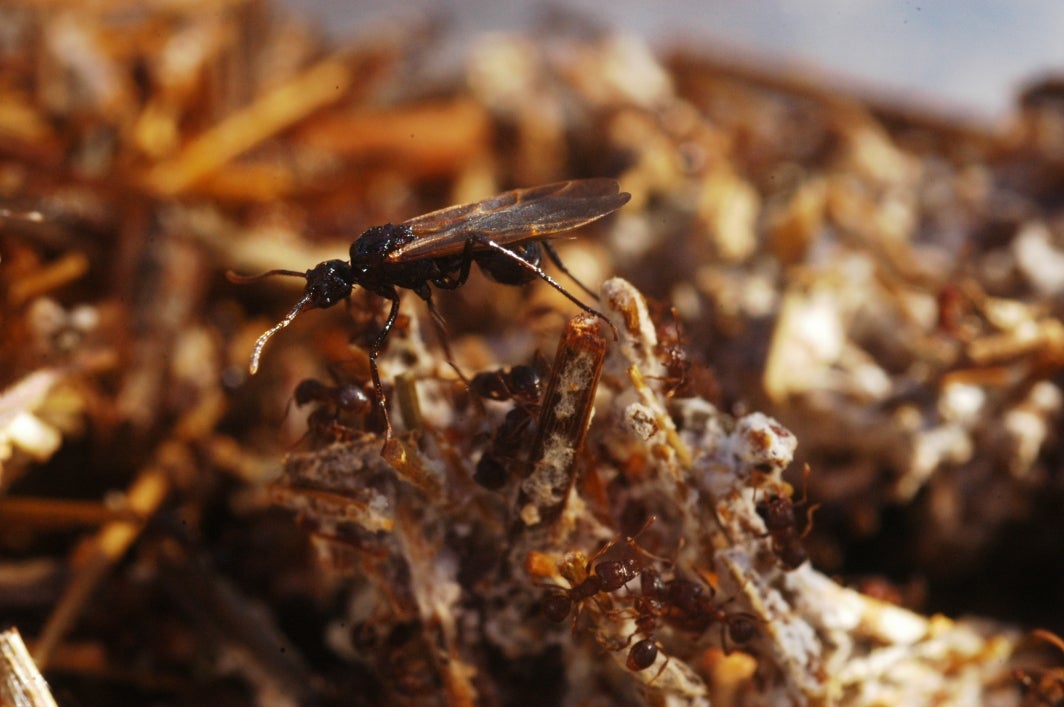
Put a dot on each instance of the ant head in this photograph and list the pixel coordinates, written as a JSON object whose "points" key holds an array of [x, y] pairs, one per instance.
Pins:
{"points": [[525, 383], [556, 606], [776, 512], [327, 283], [351, 398], [308, 390]]}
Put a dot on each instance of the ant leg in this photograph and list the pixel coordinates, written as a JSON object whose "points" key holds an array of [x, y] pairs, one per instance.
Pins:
{"points": [[633, 542], [553, 255], [806, 471], [375, 350], [541, 274], [441, 333], [447, 283], [660, 670], [809, 520], [805, 499]]}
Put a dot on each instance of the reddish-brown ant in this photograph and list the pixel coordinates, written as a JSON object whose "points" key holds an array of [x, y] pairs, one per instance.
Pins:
{"points": [[523, 385], [671, 350], [685, 605], [778, 514], [504, 235], [689, 608], [346, 397], [333, 403], [650, 605], [606, 576]]}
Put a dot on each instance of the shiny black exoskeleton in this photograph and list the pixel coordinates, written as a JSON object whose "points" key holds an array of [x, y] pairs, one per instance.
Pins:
{"points": [[503, 235]]}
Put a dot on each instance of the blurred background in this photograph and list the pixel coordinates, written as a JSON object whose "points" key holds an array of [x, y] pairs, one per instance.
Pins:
{"points": [[964, 59]]}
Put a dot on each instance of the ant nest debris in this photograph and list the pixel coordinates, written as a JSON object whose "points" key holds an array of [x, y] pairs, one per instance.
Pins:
{"points": [[833, 422], [713, 594]]}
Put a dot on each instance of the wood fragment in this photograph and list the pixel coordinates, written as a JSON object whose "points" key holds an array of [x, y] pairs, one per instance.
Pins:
{"points": [[269, 114], [21, 683], [564, 416], [96, 555]]}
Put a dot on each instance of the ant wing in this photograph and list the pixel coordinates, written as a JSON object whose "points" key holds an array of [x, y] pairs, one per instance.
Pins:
{"points": [[512, 217]]}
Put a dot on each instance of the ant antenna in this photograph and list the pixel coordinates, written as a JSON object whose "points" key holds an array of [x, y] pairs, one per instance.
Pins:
{"points": [[238, 279], [256, 353]]}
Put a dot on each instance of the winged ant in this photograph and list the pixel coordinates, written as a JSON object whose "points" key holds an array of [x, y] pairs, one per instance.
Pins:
{"points": [[504, 235]]}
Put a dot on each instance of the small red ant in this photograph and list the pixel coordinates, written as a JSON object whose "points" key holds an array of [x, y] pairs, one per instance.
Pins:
{"points": [[777, 512], [670, 349], [649, 606], [691, 609], [684, 605], [607, 576]]}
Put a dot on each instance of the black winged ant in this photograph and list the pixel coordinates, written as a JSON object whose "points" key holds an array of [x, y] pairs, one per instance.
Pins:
{"points": [[778, 514], [504, 235]]}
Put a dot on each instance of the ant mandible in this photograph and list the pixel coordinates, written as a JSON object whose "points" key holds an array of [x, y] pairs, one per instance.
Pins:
{"points": [[504, 235]]}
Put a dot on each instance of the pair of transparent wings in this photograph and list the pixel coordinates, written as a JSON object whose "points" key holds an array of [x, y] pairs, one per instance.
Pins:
{"points": [[512, 217]]}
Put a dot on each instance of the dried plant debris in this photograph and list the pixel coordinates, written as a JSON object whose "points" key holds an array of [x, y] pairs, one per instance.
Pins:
{"points": [[803, 448], [22, 683]]}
